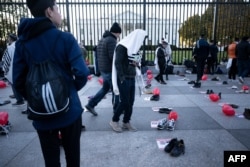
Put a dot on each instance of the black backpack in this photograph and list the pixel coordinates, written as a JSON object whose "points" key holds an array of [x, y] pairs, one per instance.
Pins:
{"points": [[47, 91]]}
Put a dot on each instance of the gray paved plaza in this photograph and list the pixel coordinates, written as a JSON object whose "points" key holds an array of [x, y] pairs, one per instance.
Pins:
{"points": [[206, 131]]}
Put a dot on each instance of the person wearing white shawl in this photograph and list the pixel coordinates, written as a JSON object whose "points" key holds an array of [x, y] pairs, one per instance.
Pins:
{"points": [[124, 70]]}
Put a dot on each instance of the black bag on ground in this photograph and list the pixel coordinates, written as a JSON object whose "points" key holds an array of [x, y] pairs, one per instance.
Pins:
{"points": [[47, 91]]}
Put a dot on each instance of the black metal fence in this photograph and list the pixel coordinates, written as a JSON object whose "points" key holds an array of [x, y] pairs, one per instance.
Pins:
{"points": [[179, 21]]}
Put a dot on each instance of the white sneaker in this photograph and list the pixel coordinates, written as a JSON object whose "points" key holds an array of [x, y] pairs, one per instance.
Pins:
{"points": [[129, 127], [234, 87], [171, 125], [115, 126]]}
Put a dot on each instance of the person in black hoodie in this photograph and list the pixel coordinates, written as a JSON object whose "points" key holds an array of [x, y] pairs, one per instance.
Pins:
{"points": [[243, 60], [105, 51]]}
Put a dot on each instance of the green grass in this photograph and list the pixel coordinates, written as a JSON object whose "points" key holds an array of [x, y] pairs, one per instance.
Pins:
{"points": [[177, 56]]}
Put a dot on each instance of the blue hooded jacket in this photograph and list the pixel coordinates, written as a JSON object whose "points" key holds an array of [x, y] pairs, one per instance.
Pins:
{"points": [[43, 40]]}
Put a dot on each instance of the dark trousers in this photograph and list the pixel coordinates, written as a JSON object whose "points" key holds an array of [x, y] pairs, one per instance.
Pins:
{"points": [[233, 69], [50, 144], [19, 98], [200, 68], [243, 67], [126, 100], [161, 73], [210, 65]]}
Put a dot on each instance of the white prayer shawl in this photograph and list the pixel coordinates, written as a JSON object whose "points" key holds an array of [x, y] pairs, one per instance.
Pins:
{"points": [[132, 42], [10, 51]]}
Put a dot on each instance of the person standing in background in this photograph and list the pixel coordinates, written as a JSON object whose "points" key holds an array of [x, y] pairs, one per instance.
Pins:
{"points": [[168, 58], [243, 58], [8, 67], [160, 62], [200, 54], [212, 57], [231, 51]]}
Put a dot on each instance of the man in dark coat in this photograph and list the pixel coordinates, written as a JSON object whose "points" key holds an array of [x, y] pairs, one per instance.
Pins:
{"points": [[200, 54], [243, 60], [105, 52]]}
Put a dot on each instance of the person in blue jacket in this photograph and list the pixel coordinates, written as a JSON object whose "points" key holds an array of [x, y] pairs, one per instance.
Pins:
{"points": [[41, 37]]}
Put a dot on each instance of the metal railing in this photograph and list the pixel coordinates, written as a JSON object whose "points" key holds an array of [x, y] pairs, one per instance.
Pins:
{"points": [[179, 21]]}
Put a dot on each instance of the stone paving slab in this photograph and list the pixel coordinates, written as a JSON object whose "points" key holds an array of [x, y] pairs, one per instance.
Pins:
{"points": [[206, 131]]}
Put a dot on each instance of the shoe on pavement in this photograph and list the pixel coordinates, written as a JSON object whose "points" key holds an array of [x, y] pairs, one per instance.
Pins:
{"points": [[129, 127], [165, 110], [12, 96], [219, 94], [18, 103], [234, 105], [178, 149], [162, 124], [163, 82], [24, 112], [157, 79], [168, 148], [197, 85], [191, 82], [247, 113], [241, 80], [91, 110], [115, 126], [155, 98], [170, 125]]}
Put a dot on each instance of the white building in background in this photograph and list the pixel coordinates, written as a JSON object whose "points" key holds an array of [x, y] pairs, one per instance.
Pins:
{"points": [[90, 31]]}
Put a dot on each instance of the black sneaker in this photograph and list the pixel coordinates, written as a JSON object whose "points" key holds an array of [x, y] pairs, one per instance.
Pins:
{"points": [[165, 110], [197, 85], [247, 113], [155, 98], [234, 105], [83, 127], [163, 82], [157, 79], [18, 103], [224, 83], [168, 148], [12, 96], [219, 94], [24, 112], [191, 82], [178, 149], [91, 110], [148, 86]]}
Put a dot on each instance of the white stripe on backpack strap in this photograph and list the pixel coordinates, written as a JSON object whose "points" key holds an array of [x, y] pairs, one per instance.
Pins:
{"points": [[48, 98]]}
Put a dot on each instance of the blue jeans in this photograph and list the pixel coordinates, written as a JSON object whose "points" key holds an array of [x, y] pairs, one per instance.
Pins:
{"points": [[107, 85], [243, 67], [126, 100]]}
